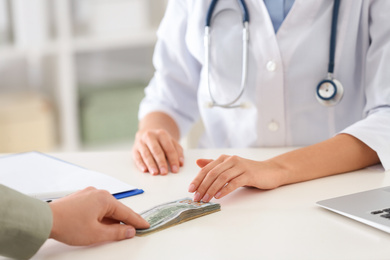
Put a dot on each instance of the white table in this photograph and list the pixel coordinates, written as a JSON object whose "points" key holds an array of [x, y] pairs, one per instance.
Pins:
{"points": [[284, 223]]}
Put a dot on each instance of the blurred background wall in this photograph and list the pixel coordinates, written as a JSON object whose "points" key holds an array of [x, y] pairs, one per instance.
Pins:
{"points": [[72, 72]]}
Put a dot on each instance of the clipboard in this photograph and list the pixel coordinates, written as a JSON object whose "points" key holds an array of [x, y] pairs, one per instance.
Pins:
{"points": [[37, 173]]}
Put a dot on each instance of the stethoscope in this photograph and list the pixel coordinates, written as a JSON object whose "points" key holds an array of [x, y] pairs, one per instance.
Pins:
{"points": [[329, 91]]}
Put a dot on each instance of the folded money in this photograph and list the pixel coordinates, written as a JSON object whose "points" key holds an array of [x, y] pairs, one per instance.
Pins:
{"points": [[175, 212]]}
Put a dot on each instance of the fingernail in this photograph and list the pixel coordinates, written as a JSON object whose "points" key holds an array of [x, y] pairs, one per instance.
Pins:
{"points": [[197, 196], [163, 170], [217, 195], [181, 159], [174, 168], [191, 188], [154, 171], [206, 198], [130, 233]]}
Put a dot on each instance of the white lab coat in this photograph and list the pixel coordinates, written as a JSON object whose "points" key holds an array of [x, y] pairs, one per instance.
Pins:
{"points": [[283, 73]]}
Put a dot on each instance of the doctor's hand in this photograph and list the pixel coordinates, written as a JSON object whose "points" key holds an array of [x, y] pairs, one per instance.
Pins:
{"points": [[219, 177], [92, 216], [156, 150]]}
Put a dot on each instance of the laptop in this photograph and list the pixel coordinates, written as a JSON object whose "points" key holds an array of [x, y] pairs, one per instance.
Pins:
{"points": [[371, 207]]}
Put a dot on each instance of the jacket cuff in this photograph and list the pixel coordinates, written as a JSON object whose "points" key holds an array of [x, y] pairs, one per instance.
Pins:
{"points": [[25, 224]]}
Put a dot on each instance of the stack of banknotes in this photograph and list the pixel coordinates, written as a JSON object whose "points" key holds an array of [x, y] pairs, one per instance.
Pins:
{"points": [[175, 212]]}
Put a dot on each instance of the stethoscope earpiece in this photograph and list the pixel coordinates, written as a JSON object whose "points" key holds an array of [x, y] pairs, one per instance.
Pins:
{"points": [[329, 92]]}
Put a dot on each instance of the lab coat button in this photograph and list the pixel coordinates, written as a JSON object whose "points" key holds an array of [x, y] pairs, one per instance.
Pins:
{"points": [[273, 126], [271, 66]]}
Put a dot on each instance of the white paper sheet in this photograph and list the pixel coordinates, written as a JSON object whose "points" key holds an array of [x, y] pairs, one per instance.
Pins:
{"points": [[36, 173]]}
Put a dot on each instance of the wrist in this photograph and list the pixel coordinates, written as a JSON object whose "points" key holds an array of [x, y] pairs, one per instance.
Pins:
{"points": [[54, 227], [281, 171]]}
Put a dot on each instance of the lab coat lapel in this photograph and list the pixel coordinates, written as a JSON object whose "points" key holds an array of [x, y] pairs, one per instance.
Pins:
{"points": [[261, 30], [302, 14], [269, 83]]}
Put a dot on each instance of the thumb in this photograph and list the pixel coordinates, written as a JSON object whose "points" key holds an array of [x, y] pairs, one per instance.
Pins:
{"points": [[116, 232], [203, 162]]}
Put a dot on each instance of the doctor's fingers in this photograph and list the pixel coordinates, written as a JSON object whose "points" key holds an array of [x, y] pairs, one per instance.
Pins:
{"points": [[142, 156], [239, 181], [152, 154], [180, 152], [173, 152], [164, 150], [148, 158], [209, 174], [139, 162], [155, 159], [226, 182], [206, 165], [203, 162]]}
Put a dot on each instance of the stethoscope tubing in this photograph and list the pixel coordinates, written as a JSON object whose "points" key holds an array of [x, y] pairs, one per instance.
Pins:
{"points": [[332, 49], [327, 101], [210, 11], [245, 43], [336, 88]]}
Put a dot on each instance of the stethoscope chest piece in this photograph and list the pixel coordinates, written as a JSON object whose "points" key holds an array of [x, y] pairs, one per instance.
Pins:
{"points": [[329, 92]]}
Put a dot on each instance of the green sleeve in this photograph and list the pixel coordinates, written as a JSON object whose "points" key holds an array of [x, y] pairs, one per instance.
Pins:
{"points": [[25, 224]]}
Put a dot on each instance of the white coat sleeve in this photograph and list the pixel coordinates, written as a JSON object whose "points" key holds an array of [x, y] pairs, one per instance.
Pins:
{"points": [[374, 130], [173, 89]]}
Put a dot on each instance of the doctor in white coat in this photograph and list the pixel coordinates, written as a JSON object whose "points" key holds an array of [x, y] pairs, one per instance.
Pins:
{"points": [[288, 55]]}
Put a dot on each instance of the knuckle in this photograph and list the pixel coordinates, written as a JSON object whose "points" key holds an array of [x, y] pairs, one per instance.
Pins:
{"points": [[90, 188], [202, 173], [228, 188], [136, 154], [141, 136], [223, 178], [233, 183], [223, 157], [150, 162], [143, 151], [102, 192], [233, 158], [148, 135], [157, 152], [169, 149], [212, 173], [138, 136], [103, 195], [161, 132]]}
